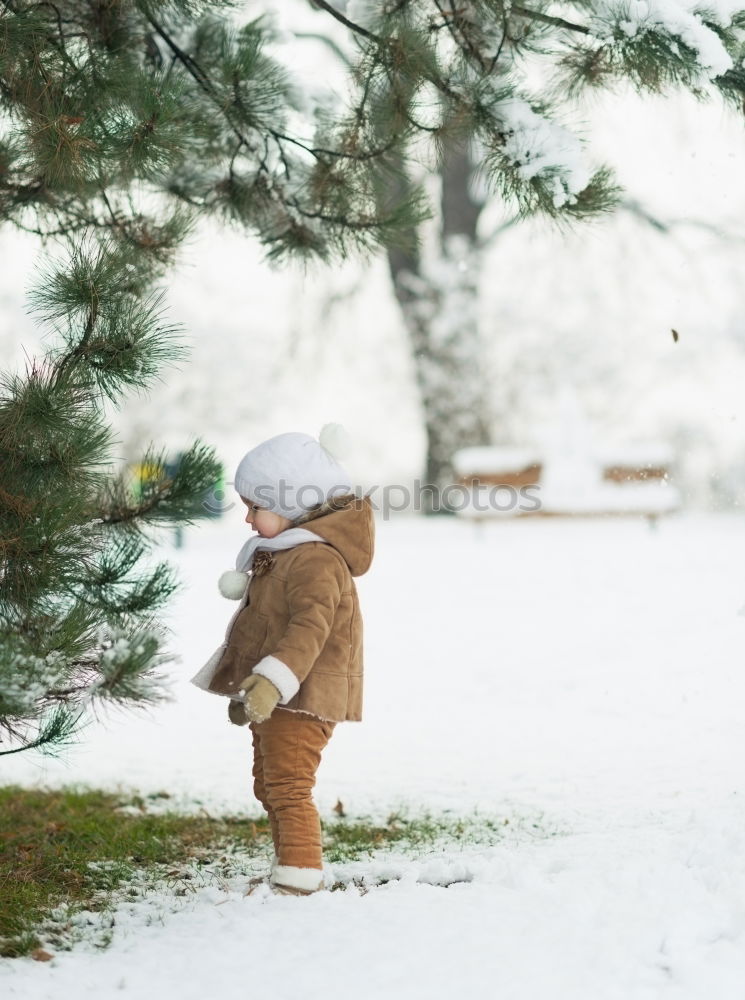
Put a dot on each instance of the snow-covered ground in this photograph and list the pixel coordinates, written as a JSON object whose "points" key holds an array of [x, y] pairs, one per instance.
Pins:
{"points": [[581, 678]]}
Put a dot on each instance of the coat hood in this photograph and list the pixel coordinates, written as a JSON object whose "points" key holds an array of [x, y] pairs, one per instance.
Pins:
{"points": [[347, 523]]}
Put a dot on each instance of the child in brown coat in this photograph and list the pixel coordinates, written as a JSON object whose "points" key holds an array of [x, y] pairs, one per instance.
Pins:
{"points": [[291, 663]]}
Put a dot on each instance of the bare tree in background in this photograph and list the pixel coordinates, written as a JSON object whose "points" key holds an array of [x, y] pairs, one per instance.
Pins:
{"points": [[439, 299]]}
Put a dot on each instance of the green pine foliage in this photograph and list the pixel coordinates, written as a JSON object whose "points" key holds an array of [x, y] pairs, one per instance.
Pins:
{"points": [[458, 71], [136, 118], [78, 600], [110, 105]]}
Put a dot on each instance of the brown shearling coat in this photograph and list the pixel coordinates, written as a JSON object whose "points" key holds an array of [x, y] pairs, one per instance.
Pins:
{"points": [[302, 609]]}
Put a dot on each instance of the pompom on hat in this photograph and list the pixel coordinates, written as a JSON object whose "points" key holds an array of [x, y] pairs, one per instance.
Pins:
{"points": [[291, 473]]}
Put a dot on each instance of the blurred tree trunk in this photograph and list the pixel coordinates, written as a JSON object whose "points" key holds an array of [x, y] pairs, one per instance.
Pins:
{"points": [[439, 302]]}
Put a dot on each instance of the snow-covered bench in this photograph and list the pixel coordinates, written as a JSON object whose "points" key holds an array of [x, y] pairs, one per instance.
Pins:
{"points": [[502, 481]]}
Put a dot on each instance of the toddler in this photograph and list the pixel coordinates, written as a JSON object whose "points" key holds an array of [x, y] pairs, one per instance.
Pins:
{"points": [[291, 663]]}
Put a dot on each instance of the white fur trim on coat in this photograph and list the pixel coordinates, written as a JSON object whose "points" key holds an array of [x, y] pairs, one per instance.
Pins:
{"points": [[280, 675], [203, 678], [232, 584], [298, 878]]}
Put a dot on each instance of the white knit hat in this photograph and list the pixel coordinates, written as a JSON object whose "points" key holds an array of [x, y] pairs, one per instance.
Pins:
{"points": [[290, 473]]}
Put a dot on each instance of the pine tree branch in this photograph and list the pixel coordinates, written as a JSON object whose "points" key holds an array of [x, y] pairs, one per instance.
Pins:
{"points": [[454, 23], [640, 211], [63, 230], [358, 224], [498, 53], [124, 515], [204, 81], [421, 127], [57, 14], [62, 694], [79, 351], [316, 36], [359, 111], [338, 16], [59, 45], [558, 22], [384, 43], [183, 57], [39, 741], [319, 152], [55, 732]]}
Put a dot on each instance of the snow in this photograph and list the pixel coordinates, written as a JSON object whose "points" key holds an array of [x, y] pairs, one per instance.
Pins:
{"points": [[681, 20], [643, 454], [487, 459], [495, 459], [608, 498], [539, 146], [581, 679], [568, 496], [25, 677]]}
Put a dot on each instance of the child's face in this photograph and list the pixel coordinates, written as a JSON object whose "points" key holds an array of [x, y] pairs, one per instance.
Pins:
{"points": [[265, 522]]}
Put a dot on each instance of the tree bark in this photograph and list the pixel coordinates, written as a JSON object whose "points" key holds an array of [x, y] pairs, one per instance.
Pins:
{"points": [[439, 303]]}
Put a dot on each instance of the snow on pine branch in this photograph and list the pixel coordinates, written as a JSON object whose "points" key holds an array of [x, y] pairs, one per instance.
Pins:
{"points": [[26, 678], [539, 148], [126, 665], [682, 21], [120, 667]]}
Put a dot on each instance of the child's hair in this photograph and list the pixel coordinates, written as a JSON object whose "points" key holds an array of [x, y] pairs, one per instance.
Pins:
{"points": [[327, 506]]}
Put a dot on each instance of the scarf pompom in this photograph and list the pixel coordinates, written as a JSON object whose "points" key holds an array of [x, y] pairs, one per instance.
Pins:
{"points": [[233, 584]]}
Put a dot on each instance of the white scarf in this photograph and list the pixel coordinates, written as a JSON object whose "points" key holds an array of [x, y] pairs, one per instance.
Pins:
{"points": [[286, 539]]}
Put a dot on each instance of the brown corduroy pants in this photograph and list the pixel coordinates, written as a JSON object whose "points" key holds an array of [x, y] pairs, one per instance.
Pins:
{"points": [[287, 752]]}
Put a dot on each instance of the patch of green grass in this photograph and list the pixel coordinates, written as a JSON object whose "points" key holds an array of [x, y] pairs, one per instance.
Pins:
{"points": [[72, 848], [69, 858], [354, 839]]}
